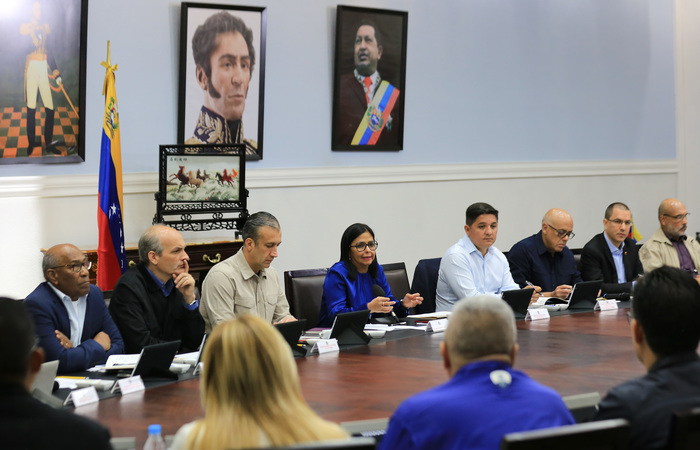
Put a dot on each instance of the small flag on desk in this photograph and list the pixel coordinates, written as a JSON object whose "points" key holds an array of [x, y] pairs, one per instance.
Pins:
{"points": [[111, 259]]}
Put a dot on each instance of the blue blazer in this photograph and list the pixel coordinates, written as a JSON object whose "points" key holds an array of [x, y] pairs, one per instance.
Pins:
{"points": [[50, 314]]}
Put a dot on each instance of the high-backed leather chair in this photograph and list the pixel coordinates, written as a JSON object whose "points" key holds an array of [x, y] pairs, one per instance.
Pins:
{"points": [[304, 290], [685, 430], [425, 279], [605, 434], [397, 277]]}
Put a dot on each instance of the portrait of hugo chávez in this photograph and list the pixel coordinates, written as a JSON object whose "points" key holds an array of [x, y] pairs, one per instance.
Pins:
{"points": [[370, 72]]}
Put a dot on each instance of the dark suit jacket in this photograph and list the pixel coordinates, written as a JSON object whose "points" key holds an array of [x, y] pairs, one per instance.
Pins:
{"points": [[351, 107], [27, 424], [145, 316], [597, 264], [50, 314]]}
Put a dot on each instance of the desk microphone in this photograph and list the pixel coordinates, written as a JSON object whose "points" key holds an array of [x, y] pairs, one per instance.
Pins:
{"points": [[388, 318]]}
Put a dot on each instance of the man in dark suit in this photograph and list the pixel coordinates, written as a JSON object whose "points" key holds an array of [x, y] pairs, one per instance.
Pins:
{"points": [[25, 422], [365, 87], [611, 256], [155, 301], [70, 314]]}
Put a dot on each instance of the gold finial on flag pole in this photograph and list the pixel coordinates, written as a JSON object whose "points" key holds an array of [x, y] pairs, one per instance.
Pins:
{"points": [[110, 68]]}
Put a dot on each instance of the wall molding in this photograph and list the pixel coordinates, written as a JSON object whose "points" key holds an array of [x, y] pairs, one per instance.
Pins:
{"points": [[147, 182]]}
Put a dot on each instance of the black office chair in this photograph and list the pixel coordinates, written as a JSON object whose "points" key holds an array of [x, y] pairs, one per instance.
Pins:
{"points": [[397, 277], [304, 289], [604, 435], [425, 282], [685, 430]]}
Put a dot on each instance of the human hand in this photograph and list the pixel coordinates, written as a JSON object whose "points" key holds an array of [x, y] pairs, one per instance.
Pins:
{"points": [[103, 339], [184, 282], [535, 292], [65, 342], [562, 291], [289, 318], [412, 300], [381, 305]]}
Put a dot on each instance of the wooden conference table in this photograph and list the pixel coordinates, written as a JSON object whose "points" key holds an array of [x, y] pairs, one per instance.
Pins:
{"points": [[574, 354]]}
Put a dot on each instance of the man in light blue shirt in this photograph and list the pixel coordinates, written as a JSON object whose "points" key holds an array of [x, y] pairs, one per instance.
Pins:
{"points": [[473, 266]]}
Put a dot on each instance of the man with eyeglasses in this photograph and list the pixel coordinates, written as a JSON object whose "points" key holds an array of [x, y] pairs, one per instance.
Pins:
{"points": [[612, 256], [669, 245], [70, 314], [544, 260], [245, 283], [25, 422], [473, 266]]}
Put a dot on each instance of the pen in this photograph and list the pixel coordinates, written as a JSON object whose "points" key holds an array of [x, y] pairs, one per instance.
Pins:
{"points": [[74, 378], [529, 284]]}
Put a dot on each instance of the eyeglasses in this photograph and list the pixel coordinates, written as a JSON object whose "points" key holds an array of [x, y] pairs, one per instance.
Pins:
{"points": [[678, 217], [361, 246], [562, 233], [619, 222], [76, 267]]}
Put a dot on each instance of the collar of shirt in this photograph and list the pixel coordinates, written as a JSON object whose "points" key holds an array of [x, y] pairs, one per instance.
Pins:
{"points": [[680, 238], [76, 314], [539, 245], [612, 247], [376, 79], [471, 248], [166, 288], [63, 296], [673, 360], [242, 264]]}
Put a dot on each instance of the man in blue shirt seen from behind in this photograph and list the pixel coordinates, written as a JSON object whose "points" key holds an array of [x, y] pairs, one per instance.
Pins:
{"points": [[544, 260], [473, 266], [485, 397]]}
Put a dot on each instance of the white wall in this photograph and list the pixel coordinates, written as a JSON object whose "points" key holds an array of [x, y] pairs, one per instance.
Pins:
{"points": [[415, 211]]}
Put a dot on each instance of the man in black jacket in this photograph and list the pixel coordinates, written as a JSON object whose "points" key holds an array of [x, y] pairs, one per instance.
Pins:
{"points": [[665, 333], [611, 256], [155, 301], [25, 422]]}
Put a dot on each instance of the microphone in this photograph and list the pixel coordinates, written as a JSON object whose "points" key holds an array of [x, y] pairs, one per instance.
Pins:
{"points": [[378, 291], [387, 318], [621, 296]]}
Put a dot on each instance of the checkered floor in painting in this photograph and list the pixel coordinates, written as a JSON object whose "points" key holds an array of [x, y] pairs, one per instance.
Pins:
{"points": [[13, 132]]}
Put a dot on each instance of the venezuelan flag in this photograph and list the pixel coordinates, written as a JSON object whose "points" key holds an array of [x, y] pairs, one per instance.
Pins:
{"points": [[377, 114], [634, 234], [111, 258]]}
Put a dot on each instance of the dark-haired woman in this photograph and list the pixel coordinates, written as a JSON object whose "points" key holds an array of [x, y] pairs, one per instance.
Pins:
{"points": [[348, 284]]}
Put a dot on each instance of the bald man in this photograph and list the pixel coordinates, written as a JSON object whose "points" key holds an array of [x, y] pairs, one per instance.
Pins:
{"points": [[544, 260], [669, 246], [70, 314], [154, 301]]}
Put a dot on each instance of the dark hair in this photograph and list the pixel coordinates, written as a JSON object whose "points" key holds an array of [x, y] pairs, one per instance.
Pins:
{"points": [[667, 306], [260, 219], [17, 339], [377, 34], [351, 233], [611, 206], [477, 209], [204, 39]]}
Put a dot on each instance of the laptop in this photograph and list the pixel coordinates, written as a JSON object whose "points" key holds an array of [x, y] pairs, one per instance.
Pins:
{"points": [[518, 300], [584, 294], [291, 332], [349, 328]]}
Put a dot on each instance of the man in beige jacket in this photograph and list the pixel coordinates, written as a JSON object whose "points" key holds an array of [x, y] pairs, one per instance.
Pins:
{"points": [[669, 246]]}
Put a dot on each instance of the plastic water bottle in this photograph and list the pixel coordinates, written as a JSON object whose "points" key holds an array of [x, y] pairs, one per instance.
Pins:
{"points": [[155, 439]]}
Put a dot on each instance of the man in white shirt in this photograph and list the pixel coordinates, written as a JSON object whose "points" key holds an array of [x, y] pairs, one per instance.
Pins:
{"points": [[473, 266]]}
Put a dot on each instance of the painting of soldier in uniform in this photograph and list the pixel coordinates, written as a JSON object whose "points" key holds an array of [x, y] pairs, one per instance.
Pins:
{"points": [[42, 80]]}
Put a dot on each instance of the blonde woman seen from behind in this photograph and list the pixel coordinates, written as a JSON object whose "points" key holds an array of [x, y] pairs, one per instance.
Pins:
{"points": [[250, 393]]}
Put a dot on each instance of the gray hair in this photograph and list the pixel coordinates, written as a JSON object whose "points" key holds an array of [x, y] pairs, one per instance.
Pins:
{"points": [[480, 326], [49, 261], [255, 222], [150, 242]]}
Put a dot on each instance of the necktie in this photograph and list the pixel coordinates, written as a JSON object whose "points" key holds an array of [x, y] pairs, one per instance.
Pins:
{"points": [[368, 83]]}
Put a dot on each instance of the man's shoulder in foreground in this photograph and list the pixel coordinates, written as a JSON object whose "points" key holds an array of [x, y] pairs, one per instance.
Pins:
{"points": [[27, 423]]}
